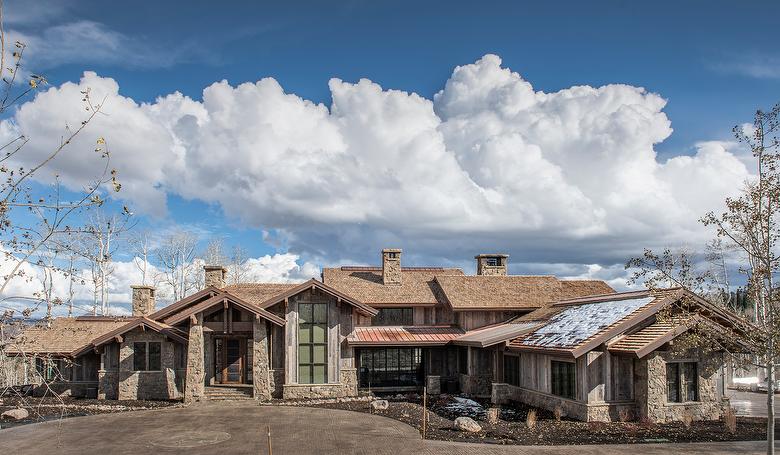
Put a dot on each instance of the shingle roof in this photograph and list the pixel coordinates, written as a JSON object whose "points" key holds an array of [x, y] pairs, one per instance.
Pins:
{"points": [[403, 336], [514, 291], [65, 336], [257, 293], [577, 325], [646, 339], [365, 284]]}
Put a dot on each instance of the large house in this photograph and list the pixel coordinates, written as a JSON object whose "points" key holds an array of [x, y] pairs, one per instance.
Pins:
{"points": [[576, 345]]}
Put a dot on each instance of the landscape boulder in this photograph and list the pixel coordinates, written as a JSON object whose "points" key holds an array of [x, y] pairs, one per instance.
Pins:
{"points": [[467, 424], [379, 405], [15, 414]]}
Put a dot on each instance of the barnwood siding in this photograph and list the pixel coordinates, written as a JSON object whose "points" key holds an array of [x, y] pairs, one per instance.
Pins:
{"points": [[469, 320]]}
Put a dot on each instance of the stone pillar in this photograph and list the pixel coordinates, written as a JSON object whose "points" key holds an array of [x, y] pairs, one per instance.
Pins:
{"points": [[433, 384], [260, 371], [194, 388]]}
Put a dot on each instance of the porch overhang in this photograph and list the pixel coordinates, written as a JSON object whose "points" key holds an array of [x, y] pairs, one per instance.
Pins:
{"points": [[314, 284]]}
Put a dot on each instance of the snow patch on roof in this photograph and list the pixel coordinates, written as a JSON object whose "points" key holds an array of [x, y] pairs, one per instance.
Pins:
{"points": [[574, 325]]}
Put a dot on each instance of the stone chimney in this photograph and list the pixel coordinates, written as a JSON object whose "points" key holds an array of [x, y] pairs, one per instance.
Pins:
{"points": [[391, 266], [143, 300], [215, 276], [491, 264]]}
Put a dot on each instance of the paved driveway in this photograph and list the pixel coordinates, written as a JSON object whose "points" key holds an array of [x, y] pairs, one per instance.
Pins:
{"points": [[751, 404], [240, 428]]}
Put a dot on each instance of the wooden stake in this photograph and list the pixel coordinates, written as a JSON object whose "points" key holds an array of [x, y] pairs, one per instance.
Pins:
{"points": [[270, 449], [425, 411]]}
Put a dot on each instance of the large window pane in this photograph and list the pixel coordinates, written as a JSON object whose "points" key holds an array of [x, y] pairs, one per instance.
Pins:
{"points": [[313, 343], [304, 354], [319, 333], [139, 356], [320, 355], [391, 367], [320, 374], [304, 334], [394, 316], [320, 313], [562, 379], [673, 383], [154, 356], [304, 313]]}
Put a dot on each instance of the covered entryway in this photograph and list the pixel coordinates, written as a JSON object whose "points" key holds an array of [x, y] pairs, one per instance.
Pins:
{"points": [[230, 360]]}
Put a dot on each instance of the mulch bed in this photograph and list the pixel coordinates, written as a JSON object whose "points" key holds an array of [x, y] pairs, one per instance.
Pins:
{"points": [[53, 408], [511, 427]]}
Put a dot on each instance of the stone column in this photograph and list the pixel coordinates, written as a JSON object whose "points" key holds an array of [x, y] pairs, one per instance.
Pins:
{"points": [[194, 388], [260, 354]]}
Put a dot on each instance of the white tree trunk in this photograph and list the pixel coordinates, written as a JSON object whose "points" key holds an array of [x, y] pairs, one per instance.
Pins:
{"points": [[770, 402]]}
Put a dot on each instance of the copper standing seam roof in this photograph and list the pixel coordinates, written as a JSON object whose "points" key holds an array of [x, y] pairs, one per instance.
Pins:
{"points": [[403, 336]]}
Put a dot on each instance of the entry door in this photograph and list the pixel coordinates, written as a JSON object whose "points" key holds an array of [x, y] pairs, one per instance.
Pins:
{"points": [[233, 361]]}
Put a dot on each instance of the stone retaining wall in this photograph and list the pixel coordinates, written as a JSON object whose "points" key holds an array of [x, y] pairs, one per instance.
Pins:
{"points": [[347, 387]]}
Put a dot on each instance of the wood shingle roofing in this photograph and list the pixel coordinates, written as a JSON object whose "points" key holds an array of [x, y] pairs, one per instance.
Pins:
{"points": [[65, 336], [365, 284], [258, 293], [645, 340], [513, 292]]}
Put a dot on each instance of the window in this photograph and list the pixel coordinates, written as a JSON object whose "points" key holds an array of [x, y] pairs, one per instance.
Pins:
{"points": [[390, 367], [49, 369], [562, 379], [313, 343], [111, 356], [394, 316], [493, 262], [682, 382], [147, 356], [512, 369]]}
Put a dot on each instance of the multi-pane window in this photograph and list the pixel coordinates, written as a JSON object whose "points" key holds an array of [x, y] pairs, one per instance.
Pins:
{"points": [[391, 367], [313, 343], [147, 356], [49, 369], [394, 316], [682, 382], [512, 369], [562, 379]]}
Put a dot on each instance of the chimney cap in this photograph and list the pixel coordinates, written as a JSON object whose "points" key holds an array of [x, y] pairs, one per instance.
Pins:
{"points": [[491, 255], [391, 250], [141, 286], [214, 267]]}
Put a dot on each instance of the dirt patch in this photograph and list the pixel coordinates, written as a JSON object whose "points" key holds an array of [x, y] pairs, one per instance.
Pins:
{"points": [[511, 427], [52, 408]]}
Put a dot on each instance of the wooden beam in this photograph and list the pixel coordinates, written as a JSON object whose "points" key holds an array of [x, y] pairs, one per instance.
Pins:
{"points": [[193, 319], [118, 338]]}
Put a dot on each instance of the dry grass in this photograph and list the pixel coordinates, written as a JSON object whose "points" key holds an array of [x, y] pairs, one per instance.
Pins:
{"points": [[730, 420], [687, 419], [530, 419], [558, 413]]}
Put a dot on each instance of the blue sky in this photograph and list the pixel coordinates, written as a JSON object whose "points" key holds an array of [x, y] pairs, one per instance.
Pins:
{"points": [[713, 62]]}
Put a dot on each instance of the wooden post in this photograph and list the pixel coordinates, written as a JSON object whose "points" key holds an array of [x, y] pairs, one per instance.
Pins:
{"points": [[425, 412], [270, 449]]}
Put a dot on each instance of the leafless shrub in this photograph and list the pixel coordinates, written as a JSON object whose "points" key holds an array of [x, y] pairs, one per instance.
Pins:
{"points": [[625, 415], [646, 422], [530, 419], [687, 418], [558, 413]]}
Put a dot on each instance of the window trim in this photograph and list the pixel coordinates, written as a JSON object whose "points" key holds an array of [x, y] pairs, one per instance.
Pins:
{"points": [[147, 368], [311, 344]]}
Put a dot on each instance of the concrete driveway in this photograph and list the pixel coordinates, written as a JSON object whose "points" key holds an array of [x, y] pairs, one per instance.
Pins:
{"points": [[752, 404], [240, 428]]}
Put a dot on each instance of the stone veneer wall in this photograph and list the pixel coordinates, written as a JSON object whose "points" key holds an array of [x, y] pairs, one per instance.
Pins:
{"points": [[650, 387], [108, 384], [146, 385], [261, 379], [277, 382], [347, 387]]}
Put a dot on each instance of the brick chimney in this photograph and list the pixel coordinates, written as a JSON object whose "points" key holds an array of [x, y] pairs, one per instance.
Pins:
{"points": [[491, 264], [391, 266], [143, 300], [214, 276]]}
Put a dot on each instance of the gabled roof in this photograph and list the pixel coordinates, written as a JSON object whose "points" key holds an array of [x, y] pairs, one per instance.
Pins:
{"points": [[144, 323], [576, 326], [647, 339], [494, 334], [365, 284], [513, 292], [403, 336], [314, 284], [65, 337], [190, 300], [219, 299]]}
